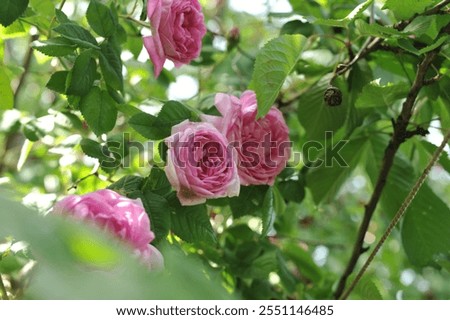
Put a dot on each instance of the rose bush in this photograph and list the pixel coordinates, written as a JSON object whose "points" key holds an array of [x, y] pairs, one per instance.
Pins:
{"points": [[123, 217], [262, 145], [200, 165], [177, 31]]}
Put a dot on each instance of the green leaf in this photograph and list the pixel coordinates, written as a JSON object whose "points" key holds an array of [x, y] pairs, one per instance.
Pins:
{"points": [[375, 95], [127, 185], [425, 229], [157, 128], [46, 8], [172, 113], [62, 17], [377, 30], [82, 76], [315, 115], [268, 212], [326, 180], [158, 210], [157, 182], [297, 27], [344, 22], [191, 223], [58, 81], [143, 123], [111, 66], [10, 10], [303, 261], [405, 9], [367, 289], [292, 190], [55, 47], [274, 62], [78, 35], [439, 42], [101, 19], [6, 93], [430, 148], [428, 26], [92, 149], [248, 202], [99, 110]]}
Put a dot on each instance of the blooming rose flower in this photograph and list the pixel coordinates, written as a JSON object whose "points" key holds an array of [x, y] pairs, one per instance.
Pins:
{"points": [[199, 164], [177, 31], [262, 145], [124, 217]]}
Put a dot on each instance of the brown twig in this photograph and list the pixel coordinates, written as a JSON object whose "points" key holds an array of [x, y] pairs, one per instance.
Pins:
{"points": [[399, 136], [400, 213]]}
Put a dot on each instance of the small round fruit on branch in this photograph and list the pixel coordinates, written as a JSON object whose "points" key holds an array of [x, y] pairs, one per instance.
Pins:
{"points": [[333, 96]]}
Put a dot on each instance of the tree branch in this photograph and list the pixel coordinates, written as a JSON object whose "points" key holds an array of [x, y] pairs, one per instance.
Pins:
{"points": [[400, 135], [400, 213]]}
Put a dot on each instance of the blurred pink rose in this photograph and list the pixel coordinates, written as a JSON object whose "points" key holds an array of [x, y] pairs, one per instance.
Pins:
{"points": [[124, 217], [177, 30], [263, 145], [199, 164]]}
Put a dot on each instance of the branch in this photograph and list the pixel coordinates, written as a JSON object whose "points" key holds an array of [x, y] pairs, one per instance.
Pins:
{"points": [[437, 8], [9, 141], [3, 289], [76, 183], [400, 135], [400, 213], [26, 68], [373, 44]]}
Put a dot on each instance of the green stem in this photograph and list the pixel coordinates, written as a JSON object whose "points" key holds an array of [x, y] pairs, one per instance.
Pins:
{"points": [[139, 22], [3, 289], [245, 53]]}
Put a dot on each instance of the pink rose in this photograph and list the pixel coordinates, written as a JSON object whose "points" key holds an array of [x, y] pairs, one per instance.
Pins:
{"points": [[177, 31], [123, 217], [262, 145], [199, 164]]}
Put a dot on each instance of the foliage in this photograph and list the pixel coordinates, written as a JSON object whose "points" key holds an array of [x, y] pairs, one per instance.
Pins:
{"points": [[81, 110]]}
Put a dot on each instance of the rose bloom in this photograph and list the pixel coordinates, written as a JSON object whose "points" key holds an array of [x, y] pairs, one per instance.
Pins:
{"points": [[199, 164], [121, 216], [262, 145], [177, 30]]}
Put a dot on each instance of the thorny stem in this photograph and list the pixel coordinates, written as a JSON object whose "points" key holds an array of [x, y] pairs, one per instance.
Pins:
{"points": [[400, 213]]}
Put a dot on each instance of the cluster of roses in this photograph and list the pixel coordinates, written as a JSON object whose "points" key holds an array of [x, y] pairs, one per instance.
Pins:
{"points": [[205, 160]]}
